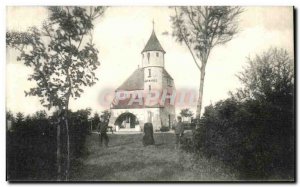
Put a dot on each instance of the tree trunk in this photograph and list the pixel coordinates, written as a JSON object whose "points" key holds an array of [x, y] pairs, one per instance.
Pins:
{"points": [[67, 169], [63, 141], [68, 138], [200, 98], [68, 149], [58, 151]]}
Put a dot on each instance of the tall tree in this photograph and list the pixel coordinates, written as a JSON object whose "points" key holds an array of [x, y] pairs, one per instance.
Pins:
{"points": [[63, 61], [201, 29]]}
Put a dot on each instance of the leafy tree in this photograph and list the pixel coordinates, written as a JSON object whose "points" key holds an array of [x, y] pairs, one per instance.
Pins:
{"points": [[95, 120], [253, 131], [268, 77], [63, 60], [186, 113], [10, 116], [28, 119], [41, 115], [79, 130], [201, 29], [105, 115], [82, 114], [19, 118]]}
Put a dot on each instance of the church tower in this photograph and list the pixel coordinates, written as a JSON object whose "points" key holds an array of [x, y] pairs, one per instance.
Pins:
{"points": [[128, 113], [153, 64]]}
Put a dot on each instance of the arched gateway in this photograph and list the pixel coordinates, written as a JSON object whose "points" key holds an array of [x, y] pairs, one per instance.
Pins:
{"points": [[130, 110], [127, 122]]}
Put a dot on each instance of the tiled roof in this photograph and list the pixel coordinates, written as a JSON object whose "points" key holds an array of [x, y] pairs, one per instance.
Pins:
{"points": [[134, 82]]}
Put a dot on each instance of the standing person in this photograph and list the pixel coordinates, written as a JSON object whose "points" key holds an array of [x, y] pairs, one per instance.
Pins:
{"points": [[103, 132], [179, 130], [148, 136]]}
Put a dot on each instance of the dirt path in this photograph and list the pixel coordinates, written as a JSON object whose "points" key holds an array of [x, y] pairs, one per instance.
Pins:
{"points": [[127, 159]]}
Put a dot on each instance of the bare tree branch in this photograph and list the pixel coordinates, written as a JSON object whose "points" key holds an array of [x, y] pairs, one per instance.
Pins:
{"points": [[187, 44], [201, 29]]}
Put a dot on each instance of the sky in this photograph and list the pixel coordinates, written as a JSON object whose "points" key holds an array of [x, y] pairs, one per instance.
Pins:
{"points": [[121, 35]]}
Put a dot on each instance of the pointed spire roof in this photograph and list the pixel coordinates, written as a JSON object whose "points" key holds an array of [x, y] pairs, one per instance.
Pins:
{"points": [[153, 44]]}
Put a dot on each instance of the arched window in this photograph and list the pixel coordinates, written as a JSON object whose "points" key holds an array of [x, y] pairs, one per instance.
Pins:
{"points": [[149, 72], [157, 54], [149, 87]]}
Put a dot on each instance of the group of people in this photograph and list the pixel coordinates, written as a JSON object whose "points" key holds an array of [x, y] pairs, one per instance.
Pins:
{"points": [[148, 129]]}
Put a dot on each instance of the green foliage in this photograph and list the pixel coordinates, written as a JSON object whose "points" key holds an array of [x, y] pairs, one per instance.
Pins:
{"points": [[164, 129], [19, 117], [268, 77], [201, 28], [31, 147], [10, 116], [62, 62], [204, 27], [186, 113], [254, 133], [95, 121], [105, 115]]}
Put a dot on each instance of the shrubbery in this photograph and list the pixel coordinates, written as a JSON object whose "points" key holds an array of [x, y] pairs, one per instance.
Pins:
{"points": [[164, 129], [31, 145], [255, 138], [253, 131]]}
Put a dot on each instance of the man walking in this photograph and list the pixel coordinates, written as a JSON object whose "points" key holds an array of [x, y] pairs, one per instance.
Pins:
{"points": [[103, 132], [179, 130]]}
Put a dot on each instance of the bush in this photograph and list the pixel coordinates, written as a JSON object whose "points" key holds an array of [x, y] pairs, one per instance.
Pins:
{"points": [[31, 146], [255, 138], [164, 129], [31, 150], [253, 131]]}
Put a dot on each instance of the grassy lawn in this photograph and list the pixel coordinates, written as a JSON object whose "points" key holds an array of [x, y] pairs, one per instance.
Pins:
{"points": [[126, 159]]}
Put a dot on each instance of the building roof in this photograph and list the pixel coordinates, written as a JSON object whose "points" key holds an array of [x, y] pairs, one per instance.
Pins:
{"points": [[166, 74], [153, 44], [134, 82]]}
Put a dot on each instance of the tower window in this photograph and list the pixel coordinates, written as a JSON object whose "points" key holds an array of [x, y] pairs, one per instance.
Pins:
{"points": [[143, 55], [149, 87], [149, 72], [157, 54], [148, 56]]}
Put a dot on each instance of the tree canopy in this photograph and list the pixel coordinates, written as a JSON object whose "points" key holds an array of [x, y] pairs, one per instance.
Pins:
{"points": [[63, 62], [200, 29]]}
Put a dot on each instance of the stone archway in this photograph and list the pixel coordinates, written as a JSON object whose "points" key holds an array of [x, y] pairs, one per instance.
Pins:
{"points": [[127, 121]]}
